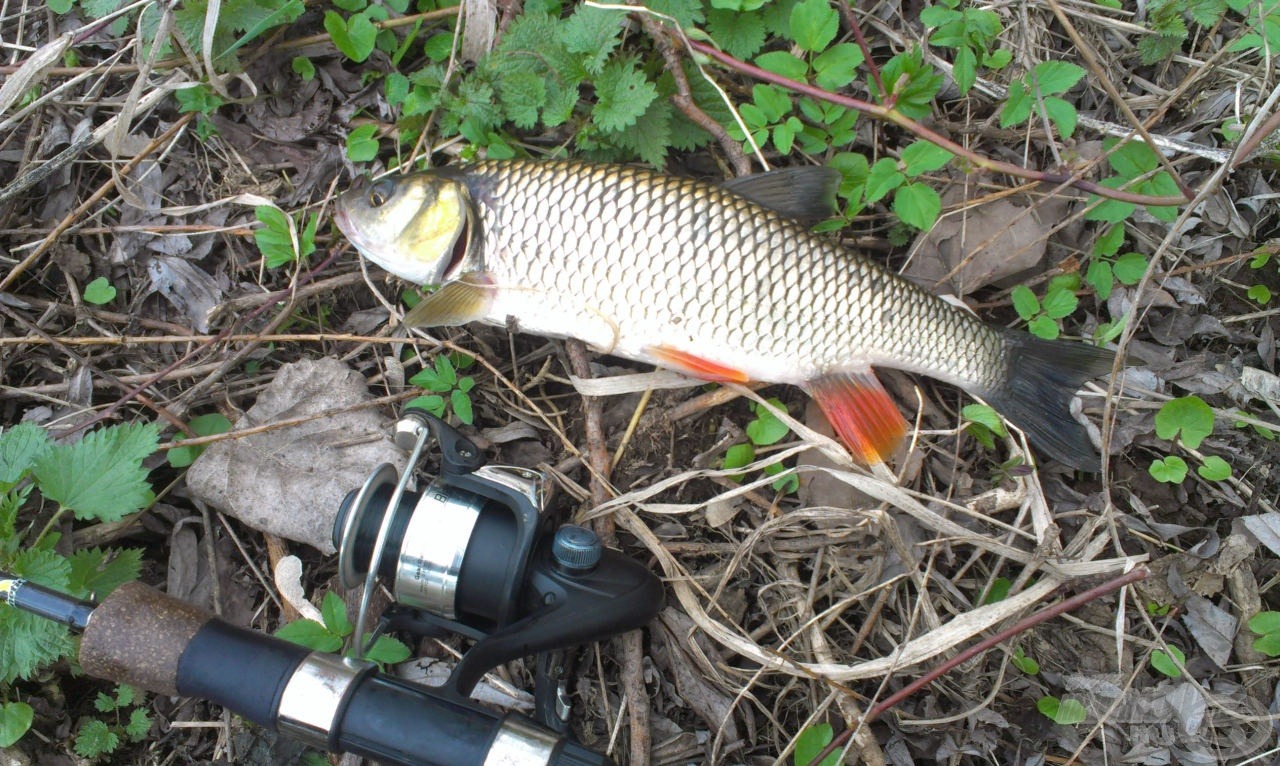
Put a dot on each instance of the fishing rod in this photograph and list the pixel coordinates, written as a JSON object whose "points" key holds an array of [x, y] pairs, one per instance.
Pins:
{"points": [[473, 553]]}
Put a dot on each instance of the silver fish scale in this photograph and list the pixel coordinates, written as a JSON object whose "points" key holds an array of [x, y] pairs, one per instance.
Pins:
{"points": [[703, 268]]}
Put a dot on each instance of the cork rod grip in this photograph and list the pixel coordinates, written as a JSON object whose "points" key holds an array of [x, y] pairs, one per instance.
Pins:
{"points": [[137, 636]]}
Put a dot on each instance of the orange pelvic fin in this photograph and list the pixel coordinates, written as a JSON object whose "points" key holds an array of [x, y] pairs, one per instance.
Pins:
{"points": [[861, 412], [692, 364]]}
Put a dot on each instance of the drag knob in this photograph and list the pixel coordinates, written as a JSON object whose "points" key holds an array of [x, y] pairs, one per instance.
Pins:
{"points": [[575, 550]]}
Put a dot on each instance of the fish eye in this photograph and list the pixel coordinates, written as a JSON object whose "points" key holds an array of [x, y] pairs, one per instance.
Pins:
{"points": [[380, 193]]}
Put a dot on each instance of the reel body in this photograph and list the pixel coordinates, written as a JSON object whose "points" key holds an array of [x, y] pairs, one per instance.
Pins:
{"points": [[474, 553]]}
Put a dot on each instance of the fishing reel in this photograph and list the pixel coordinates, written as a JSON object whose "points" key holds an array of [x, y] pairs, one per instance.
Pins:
{"points": [[474, 553]]}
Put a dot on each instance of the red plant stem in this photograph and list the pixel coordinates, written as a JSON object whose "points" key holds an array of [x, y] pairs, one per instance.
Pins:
{"points": [[1048, 613], [889, 114], [847, 11]]}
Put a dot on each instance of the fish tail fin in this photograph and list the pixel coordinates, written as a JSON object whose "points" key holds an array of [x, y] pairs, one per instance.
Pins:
{"points": [[861, 412], [1041, 378]]}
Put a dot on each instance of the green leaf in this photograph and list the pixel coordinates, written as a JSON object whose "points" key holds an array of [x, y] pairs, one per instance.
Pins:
{"points": [[59, 7], [95, 738], [100, 477], [784, 63], [965, 69], [20, 447], [104, 703], [1025, 302], [592, 31], [1165, 662], [986, 416], [1017, 106], [998, 591], [837, 66], [1130, 267], [1131, 160], [355, 37], [1062, 114], [99, 291], [1024, 663], [738, 456], [362, 146], [1054, 77], [741, 35], [1066, 712], [197, 98], [139, 725], [623, 94], [767, 429], [1169, 470], [1110, 241], [1259, 260], [1214, 469], [1268, 645], [773, 101], [303, 67], [15, 717], [388, 651], [1059, 303], [1265, 622], [924, 157], [275, 237], [1044, 327], [334, 613], [461, 404], [434, 403], [438, 47], [814, 24], [28, 642], [811, 742], [201, 425], [310, 634], [95, 573], [1259, 293], [917, 204], [883, 178], [1100, 276], [1187, 418]]}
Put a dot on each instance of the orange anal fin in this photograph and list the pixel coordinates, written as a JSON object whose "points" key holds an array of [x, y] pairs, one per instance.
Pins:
{"points": [[692, 364], [861, 412]]}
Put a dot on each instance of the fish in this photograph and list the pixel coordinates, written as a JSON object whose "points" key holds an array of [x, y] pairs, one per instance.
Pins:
{"points": [[721, 281]]}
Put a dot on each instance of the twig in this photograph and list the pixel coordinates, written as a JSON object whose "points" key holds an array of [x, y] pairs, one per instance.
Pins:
{"points": [[847, 12], [1023, 625]]}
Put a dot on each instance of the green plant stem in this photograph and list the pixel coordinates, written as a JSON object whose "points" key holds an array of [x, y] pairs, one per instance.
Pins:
{"points": [[892, 115], [1048, 613], [49, 525]]}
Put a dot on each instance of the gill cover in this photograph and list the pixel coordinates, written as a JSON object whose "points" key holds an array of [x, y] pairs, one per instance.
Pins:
{"points": [[417, 226]]}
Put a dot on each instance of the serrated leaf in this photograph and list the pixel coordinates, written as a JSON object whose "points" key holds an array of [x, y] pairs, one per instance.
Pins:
{"points": [[1053, 77], [1130, 267], [741, 35], [139, 725], [93, 572], [99, 291], [782, 63], [918, 205], [811, 742], [1059, 304], [814, 24], [1062, 114], [1168, 470], [623, 93], [1131, 160], [593, 32], [837, 66], [1101, 278], [95, 738], [15, 720], [334, 613], [103, 703], [310, 634], [1110, 241], [1187, 418], [1214, 469], [100, 477], [882, 178], [1164, 662], [28, 642], [1017, 106], [1025, 302], [388, 651], [924, 157], [20, 447], [965, 69], [1044, 327]]}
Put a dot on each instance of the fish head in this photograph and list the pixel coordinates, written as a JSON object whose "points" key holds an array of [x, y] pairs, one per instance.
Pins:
{"points": [[410, 225]]}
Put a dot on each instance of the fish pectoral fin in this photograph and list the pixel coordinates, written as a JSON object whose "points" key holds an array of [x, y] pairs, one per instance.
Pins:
{"points": [[463, 300], [805, 192], [861, 412], [696, 366]]}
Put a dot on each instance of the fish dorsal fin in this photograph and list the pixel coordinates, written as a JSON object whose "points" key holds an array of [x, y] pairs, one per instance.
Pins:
{"points": [[804, 192], [463, 300], [861, 412]]}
